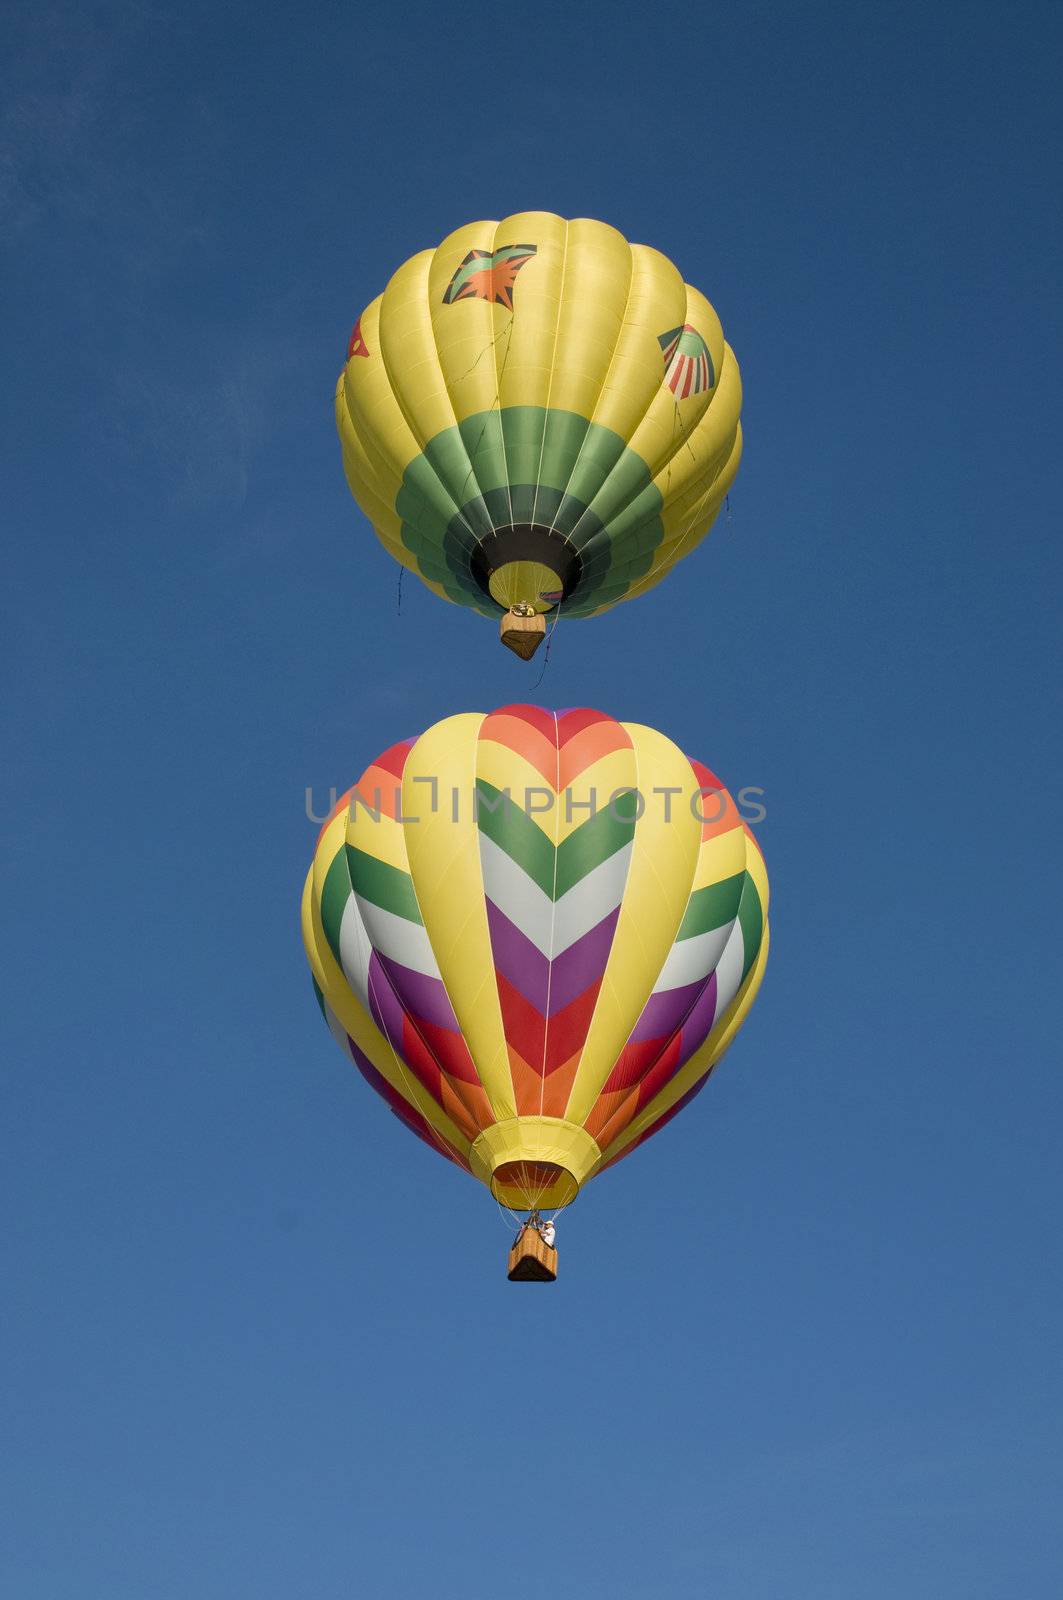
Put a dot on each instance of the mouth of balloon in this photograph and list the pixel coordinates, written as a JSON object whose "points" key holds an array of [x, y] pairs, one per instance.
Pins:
{"points": [[533, 1185], [526, 565]]}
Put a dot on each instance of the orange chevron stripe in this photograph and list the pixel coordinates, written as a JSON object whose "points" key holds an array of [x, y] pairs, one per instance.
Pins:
{"points": [[515, 734], [709, 806], [590, 744]]}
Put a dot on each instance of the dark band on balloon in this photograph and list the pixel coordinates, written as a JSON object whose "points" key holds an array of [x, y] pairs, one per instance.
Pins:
{"points": [[527, 542]]}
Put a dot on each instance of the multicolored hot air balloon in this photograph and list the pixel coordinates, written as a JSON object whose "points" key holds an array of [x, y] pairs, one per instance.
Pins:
{"points": [[539, 415], [535, 935]]}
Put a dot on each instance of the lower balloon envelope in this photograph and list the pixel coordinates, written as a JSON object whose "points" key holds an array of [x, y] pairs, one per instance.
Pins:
{"points": [[535, 934]]}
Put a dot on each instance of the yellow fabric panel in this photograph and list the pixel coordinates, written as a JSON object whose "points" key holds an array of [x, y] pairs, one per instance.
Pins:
{"points": [[663, 863], [444, 859], [505, 768], [701, 315], [593, 287], [759, 873], [690, 510], [720, 857], [382, 837], [617, 770], [313, 934], [524, 356], [702, 447], [408, 346], [360, 1025], [667, 426], [523, 583], [464, 331], [703, 1060], [534, 1139], [329, 843], [656, 302], [372, 407], [365, 471]]}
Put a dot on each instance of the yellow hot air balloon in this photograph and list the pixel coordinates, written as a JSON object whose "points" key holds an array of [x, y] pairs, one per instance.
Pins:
{"points": [[536, 934], [539, 416]]}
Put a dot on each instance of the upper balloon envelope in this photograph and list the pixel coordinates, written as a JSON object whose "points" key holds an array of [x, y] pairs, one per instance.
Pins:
{"points": [[537, 414], [535, 935]]}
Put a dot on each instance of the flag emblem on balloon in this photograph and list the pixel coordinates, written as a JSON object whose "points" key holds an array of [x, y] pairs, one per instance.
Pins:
{"points": [[489, 275], [687, 362], [357, 346]]}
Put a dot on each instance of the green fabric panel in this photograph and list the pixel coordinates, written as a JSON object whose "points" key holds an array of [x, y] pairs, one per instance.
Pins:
{"points": [[381, 884], [595, 840], [510, 827], [422, 499], [335, 892], [751, 917], [522, 428], [712, 906], [628, 479], [640, 520], [602, 449], [529, 464], [450, 461], [483, 440], [561, 446]]}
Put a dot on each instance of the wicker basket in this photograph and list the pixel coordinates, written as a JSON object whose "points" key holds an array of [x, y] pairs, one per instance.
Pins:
{"points": [[532, 1261], [523, 635]]}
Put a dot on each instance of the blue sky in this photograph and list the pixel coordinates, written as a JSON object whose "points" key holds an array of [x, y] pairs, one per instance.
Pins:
{"points": [[257, 1342]]}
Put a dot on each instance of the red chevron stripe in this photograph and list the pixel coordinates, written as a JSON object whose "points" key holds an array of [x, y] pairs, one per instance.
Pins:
{"points": [[450, 1050]]}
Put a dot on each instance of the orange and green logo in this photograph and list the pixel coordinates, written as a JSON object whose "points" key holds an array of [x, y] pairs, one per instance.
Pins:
{"points": [[489, 275]]}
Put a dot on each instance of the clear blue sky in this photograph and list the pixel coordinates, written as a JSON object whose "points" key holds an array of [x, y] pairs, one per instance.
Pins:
{"points": [[258, 1342]]}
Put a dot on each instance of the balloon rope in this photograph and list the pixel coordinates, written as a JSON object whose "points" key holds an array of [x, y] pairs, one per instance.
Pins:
{"points": [[549, 642]]}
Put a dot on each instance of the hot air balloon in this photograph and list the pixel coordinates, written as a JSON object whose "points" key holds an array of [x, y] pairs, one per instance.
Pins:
{"points": [[535, 935], [539, 417]]}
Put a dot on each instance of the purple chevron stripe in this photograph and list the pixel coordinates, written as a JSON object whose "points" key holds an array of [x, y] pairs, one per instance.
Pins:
{"points": [[384, 1005], [582, 964], [421, 996], [523, 964], [663, 1013], [519, 961], [697, 1025]]}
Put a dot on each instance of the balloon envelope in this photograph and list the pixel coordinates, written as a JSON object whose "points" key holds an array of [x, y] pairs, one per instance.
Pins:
{"points": [[535, 934], [539, 413]]}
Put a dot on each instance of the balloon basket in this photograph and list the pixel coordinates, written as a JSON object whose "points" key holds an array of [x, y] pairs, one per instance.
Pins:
{"points": [[523, 635], [531, 1260]]}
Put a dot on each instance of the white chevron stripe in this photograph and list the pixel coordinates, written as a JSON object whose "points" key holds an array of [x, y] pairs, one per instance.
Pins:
{"points": [[690, 960], [399, 939], [729, 969], [552, 928], [355, 950], [516, 895], [588, 901]]}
